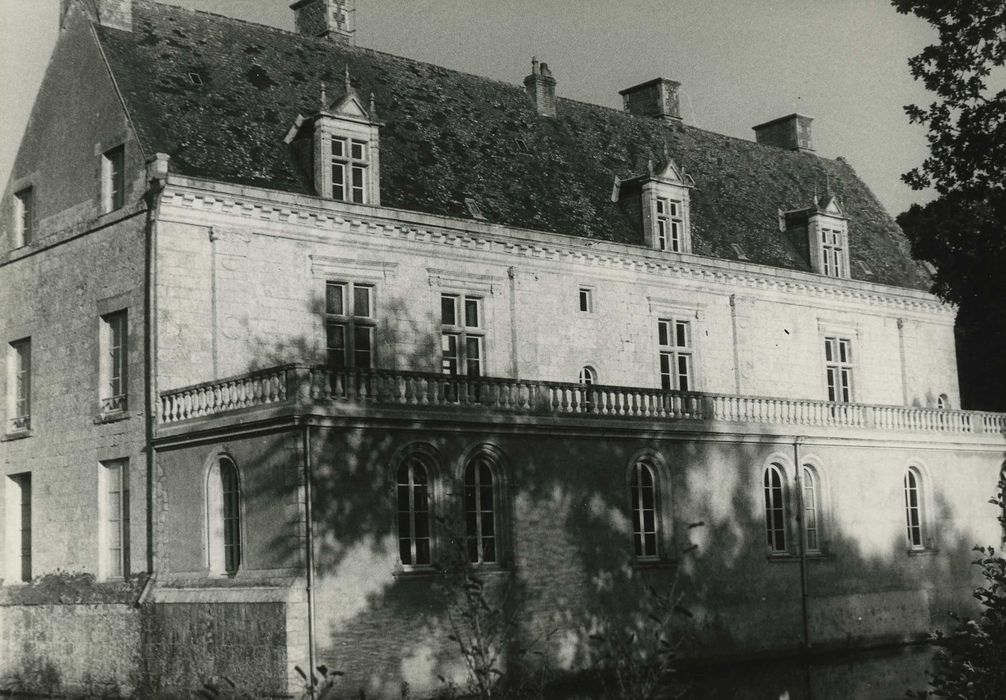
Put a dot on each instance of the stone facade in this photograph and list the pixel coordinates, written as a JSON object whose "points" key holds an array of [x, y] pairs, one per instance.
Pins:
{"points": [[232, 360]]}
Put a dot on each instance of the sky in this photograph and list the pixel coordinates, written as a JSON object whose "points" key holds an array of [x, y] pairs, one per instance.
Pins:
{"points": [[739, 62]]}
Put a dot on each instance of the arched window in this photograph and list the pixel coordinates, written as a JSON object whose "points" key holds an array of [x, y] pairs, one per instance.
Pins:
{"points": [[913, 508], [413, 513], [224, 517], [480, 511], [775, 509], [588, 375], [943, 402], [643, 490], [811, 511]]}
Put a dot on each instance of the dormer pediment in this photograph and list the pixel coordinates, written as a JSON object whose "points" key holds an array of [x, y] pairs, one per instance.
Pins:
{"points": [[349, 106], [670, 173], [830, 207]]}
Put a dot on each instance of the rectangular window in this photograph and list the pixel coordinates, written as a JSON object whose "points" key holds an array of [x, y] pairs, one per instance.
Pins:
{"points": [[18, 507], [112, 370], [113, 173], [674, 337], [349, 170], [462, 335], [349, 325], [587, 300], [832, 255], [670, 225], [24, 217], [19, 385], [114, 518], [838, 368]]}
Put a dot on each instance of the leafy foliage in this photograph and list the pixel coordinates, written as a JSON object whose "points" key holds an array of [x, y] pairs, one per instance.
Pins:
{"points": [[972, 662], [963, 233], [643, 660], [967, 120], [486, 628]]}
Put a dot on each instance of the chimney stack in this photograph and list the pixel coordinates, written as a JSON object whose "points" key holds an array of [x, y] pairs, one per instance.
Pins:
{"points": [[117, 14], [791, 132], [657, 98], [540, 86], [332, 19]]}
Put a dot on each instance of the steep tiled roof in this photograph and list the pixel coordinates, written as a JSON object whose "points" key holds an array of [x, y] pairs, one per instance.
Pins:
{"points": [[448, 136]]}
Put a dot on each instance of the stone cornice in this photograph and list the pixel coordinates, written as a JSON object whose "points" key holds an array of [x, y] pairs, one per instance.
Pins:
{"points": [[304, 212]]}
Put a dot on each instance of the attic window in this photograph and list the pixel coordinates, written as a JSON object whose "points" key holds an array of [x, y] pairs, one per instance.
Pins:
{"points": [[864, 268], [195, 79], [473, 209], [739, 252], [522, 146]]}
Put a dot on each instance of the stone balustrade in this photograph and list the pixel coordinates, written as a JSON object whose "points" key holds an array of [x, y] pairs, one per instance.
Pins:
{"points": [[318, 386]]}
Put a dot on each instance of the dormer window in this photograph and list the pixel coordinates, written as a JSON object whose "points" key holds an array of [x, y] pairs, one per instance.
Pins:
{"points": [[829, 239], [660, 201], [822, 232], [349, 170], [832, 252], [339, 148], [670, 224]]}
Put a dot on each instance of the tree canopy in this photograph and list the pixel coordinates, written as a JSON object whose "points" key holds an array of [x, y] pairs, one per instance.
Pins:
{"points": [[963, 232]]}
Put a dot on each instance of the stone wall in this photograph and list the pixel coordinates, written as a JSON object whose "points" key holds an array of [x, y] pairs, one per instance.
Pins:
{"points": [[88, 649]]}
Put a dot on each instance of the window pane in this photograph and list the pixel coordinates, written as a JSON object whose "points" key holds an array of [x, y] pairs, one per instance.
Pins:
{"points": [[338, 148], [449, 348], [361, 301], [471, 313], [684, 372], [334, 294], [448, 310], [359, 152], [663, 332], [339, 182], [336, 342], [363, 347], [681, 334], [473, 357], [358, 187]]}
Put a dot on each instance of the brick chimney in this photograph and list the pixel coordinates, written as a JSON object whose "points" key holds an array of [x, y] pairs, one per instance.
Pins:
{"points": [[117, 14], [333, 19], [540, 86], [657, 98], [791, 132]]}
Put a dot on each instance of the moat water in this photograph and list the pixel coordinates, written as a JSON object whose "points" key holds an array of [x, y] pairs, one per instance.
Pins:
{"points": [[880, 674]]}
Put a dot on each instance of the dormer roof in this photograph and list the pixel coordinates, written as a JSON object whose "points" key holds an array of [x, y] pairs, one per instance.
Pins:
{"points": [[449, 136]]}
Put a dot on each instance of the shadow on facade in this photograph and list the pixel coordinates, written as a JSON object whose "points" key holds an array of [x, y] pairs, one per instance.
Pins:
{"points": [[566, 568]]}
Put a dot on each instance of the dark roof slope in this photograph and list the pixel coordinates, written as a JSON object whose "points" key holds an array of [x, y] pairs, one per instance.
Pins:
{"points": [[449, 135]]}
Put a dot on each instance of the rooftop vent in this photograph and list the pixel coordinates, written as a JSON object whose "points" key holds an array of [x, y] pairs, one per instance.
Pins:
{"points": [[332, 19], [791, 132], [657, 98], [739, 252], [473, 209], [540, 86], [864, 268], [195, 79]]}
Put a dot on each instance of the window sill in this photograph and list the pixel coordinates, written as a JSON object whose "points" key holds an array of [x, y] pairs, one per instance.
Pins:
{"points": [[927, 552], [646, 564], [417, 572], [18, 434], [111, 417], [795, 558], [783, 558]]}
